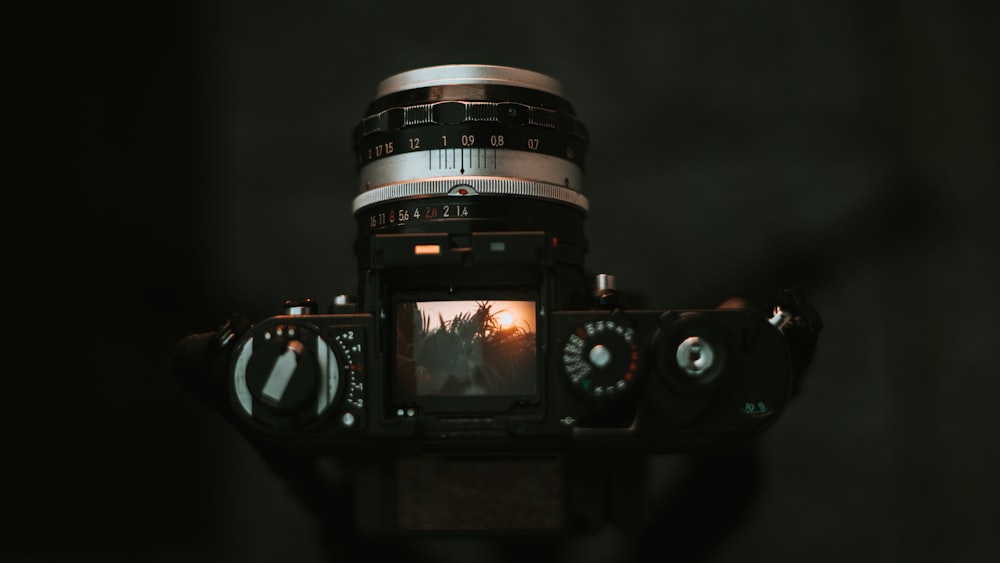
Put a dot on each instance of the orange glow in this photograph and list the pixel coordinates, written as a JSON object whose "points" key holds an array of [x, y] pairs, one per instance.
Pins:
{"points": [[505, 318], [507, 313]]}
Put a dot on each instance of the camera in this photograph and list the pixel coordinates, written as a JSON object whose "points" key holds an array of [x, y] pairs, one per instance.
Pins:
{"points": [[478, 350]]}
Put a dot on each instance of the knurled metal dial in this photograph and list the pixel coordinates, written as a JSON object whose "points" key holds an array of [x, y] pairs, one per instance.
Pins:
{"points": [[288, 373]]}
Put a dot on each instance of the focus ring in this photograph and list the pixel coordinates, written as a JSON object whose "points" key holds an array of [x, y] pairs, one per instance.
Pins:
{"points": [[454, 113], [497, 130]]}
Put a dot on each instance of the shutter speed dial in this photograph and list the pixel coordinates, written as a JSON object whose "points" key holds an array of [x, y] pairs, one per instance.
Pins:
{"points": [[286, 375], [601, 358]]}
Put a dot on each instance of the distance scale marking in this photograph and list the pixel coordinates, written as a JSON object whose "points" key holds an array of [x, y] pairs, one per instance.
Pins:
{"points": [[483, 138], [480, 172]]}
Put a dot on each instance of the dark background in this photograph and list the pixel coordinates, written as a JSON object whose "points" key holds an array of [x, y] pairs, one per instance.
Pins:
{"points": [[849, 148]]}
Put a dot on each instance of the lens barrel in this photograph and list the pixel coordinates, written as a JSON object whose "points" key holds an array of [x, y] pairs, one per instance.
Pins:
{"points": [[469, 130]]}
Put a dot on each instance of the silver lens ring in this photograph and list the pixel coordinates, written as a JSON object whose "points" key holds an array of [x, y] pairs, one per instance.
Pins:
{"points": [[463, 187], [447, 75]]}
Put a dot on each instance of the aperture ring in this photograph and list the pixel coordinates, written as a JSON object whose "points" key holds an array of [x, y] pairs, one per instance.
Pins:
{"points": [[460, 112]]}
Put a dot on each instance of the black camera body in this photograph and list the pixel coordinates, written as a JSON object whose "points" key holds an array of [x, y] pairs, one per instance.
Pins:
{"points": [[494, 360], [481, 377]]}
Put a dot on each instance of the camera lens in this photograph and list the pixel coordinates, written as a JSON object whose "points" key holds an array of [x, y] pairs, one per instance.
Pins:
{"points": [[467, 130], [470, 175]]}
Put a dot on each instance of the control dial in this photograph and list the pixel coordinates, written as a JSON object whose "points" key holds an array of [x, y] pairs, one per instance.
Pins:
{"points": [[286, 375], [601, 358]]}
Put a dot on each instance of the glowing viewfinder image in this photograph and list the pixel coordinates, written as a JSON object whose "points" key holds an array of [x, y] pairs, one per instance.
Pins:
{"points": [[451, 348], [505, 319]]}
